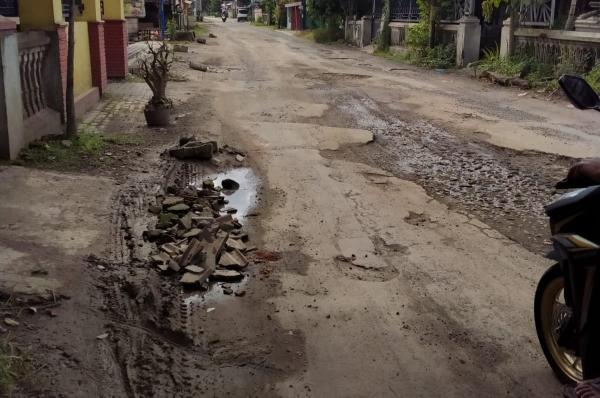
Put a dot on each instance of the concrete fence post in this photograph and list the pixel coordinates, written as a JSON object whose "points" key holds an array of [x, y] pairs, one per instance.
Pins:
{"points": [[468, 38], [366, 31], [506, 39], [11, 100]]}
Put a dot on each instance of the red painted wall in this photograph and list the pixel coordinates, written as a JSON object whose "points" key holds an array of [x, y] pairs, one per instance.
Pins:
{"points": [[116, 41], [98, 55]]}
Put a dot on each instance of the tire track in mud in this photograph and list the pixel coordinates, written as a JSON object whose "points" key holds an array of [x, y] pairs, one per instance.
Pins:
{"points": [[162, 339], [506, 189]]}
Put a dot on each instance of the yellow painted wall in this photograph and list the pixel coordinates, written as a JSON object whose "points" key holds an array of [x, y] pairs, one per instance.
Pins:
{"points": [[114, 10], [83, 66], [40, 14], [91, 11]]}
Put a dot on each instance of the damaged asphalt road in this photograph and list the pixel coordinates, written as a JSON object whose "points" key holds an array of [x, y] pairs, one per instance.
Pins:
{"points": [[384, 227]]}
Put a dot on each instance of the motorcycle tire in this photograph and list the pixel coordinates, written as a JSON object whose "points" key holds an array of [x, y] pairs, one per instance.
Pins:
{"points": [[551, 283]]}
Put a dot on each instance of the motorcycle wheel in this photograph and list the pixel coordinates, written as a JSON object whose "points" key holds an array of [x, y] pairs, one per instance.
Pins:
{"points": [[551, 313]]}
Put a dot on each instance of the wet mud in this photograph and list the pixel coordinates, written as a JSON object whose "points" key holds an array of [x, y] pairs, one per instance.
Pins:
{"points": [[169, 341]]}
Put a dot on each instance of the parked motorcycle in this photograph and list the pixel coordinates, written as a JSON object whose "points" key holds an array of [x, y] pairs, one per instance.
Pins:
{"points": [[567, 299], [224, 16]]}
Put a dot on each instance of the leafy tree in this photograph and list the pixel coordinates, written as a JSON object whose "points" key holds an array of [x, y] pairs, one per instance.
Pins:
{"points": [[270, 9], [215, 7], [383, 42]]}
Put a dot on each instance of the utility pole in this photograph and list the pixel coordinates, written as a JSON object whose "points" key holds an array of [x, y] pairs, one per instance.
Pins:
{"points": [[161, 19]]}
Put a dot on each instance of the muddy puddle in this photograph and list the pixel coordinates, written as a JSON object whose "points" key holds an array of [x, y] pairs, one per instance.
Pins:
{"points": [[196, 306], [243, 199]]}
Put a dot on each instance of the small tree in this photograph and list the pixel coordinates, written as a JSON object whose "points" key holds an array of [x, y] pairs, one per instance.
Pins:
{"points": [[154, 69]]}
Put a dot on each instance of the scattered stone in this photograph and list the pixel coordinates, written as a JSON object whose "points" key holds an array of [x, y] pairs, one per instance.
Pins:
{"points": [[32, 310], [233, 259], [186, 221], [185, 139], [171, 201], [102, 336], [163, 266], [235, 244], [225, 275], [193, 253], [201, 40], [227, 290], [194, 269], [240, 158], [212, 35], [197, 66], [166, 220], [171, 249], [193, 150], [211, 309], [179, 207], [240, 293], [51, 313], [190, 278], [154, 234], [192, 233], [11, 322], [174, 266], [179, 48], [230, 185]]}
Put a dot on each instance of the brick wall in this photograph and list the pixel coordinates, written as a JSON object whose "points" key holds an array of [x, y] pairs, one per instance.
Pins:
{"points": [[98, 55], [116, 41], [63, 49]]}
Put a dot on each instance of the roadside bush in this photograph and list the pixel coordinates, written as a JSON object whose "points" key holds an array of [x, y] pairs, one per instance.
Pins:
{"points": [[417, 39], [509, 66], [593, 77], [259, 20], [439, 57], [328, 34], [171, 29], [539, 74]]}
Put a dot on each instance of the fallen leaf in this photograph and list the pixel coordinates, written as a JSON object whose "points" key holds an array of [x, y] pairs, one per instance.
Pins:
{"points": [[102, 336], [211, 309]]}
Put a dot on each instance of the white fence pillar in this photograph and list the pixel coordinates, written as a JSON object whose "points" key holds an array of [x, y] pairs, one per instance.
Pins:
{"points": [[467, 40], [506, 39], [11, 102]]}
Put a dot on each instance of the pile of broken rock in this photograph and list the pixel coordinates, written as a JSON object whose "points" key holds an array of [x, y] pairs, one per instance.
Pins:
{"points": [[197, 237]]}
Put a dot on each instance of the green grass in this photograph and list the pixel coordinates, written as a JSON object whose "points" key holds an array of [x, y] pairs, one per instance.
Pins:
{"points": [[327, 34], [439, 57], [540, 75], [400, 57], [306, 34], [133, 78], [200, 29], [88, 145], [12, 367], [262, 25]]}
